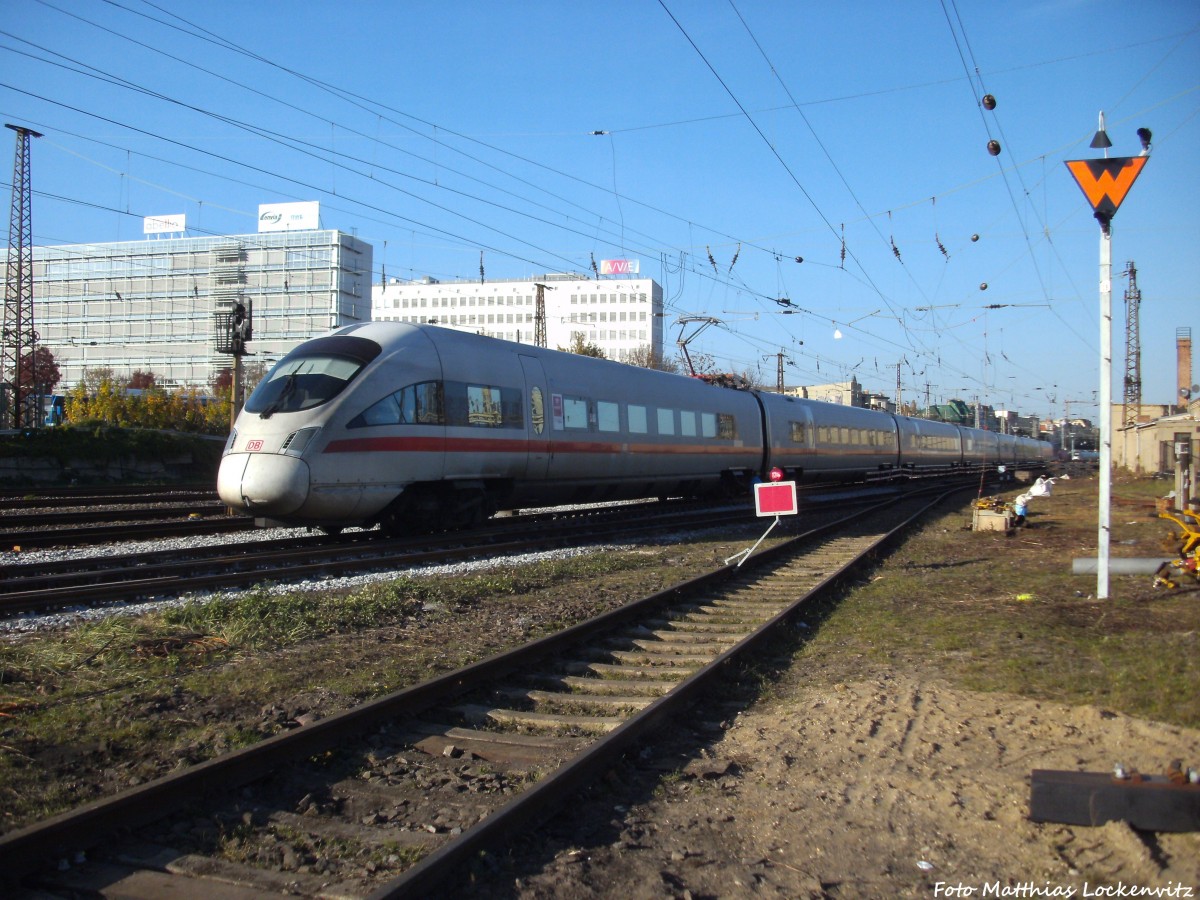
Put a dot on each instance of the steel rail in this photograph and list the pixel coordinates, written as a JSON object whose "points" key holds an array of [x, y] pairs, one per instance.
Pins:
{"points": [[102, 534], [12, 522]]}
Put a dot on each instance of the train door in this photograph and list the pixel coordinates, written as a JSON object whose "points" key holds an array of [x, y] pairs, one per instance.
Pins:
{"points": [[537, 425]]}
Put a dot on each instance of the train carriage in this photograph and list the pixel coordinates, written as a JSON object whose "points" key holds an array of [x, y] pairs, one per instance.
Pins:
{"points": [[441, 425], [415, 426], [814, 441], [979, 448], [928, 446]]}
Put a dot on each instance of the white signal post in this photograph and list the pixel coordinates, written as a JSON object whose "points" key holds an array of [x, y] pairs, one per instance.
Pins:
{"points": [[1106, 182], [771, 498]]}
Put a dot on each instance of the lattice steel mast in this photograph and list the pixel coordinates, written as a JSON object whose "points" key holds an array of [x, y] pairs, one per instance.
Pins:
{"points": [[539, 315], [20, 339], [1132, 407]]}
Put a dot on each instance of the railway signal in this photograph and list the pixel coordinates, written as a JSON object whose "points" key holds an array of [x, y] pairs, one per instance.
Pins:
{"points": [[771, 498], [1106, 183], [233, 329]]}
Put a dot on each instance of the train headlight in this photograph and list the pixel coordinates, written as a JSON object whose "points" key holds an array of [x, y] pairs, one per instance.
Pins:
{"points": [[297, 441], [229, 443]]}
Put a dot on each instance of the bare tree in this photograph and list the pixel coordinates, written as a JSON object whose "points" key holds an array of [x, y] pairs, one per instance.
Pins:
{"points": [[644, 358]]}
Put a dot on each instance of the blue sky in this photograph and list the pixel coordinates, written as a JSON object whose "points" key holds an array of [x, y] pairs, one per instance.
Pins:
{"points": [[735, 137]]}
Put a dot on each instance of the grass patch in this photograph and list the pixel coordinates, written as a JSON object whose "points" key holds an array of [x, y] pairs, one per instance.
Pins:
{"points": [[988, 612], [105, 705]]}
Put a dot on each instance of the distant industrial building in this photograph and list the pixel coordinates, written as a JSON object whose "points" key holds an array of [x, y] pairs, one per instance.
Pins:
{"points": [[160, 305], [1154, 444], [622, 316], [1010, 422], [846, 393]]}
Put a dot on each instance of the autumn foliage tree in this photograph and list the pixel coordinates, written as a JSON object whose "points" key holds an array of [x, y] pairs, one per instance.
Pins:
{"points": [[100, 397], [140, 380], [39, 371]]}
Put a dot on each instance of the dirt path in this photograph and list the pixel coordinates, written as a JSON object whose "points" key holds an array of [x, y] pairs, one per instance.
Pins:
{"points": [[888, 786]]}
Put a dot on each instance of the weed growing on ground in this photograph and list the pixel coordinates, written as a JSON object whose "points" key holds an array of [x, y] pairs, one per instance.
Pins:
{"points": [[1003, 613]]}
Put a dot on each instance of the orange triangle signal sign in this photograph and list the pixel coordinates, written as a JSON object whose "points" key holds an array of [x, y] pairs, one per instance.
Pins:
{"points": [[1106, 182]]}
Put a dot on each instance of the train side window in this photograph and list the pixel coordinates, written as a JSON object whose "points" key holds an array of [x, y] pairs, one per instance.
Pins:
{"points": [[608, 416], [483, 406], [666, 421], [797, 429], [385, 412], [727, 427], [416, 404], [708, 425], [575, 413], [687, 423], [422, 404], [637, 419]]}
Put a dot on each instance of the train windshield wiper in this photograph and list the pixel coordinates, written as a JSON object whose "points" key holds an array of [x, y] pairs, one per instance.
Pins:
{"points": [[289, 387]]}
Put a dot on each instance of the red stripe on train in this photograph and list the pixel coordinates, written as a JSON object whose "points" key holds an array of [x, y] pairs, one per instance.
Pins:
{"points": [[511, 445]]}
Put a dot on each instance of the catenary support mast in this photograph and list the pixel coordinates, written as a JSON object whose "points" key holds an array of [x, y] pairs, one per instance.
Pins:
{"points": [[1132, 406], [20, 338]]}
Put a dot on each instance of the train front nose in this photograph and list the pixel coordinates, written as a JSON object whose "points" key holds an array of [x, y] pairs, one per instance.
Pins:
{"points": [[263, 484]]}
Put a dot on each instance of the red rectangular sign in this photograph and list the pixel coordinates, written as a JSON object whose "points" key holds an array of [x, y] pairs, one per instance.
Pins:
{"points": [[775, 498]]}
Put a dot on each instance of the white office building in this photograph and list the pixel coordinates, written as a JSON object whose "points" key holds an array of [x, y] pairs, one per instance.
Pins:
{"points": [[161, 304], [620, 315]]}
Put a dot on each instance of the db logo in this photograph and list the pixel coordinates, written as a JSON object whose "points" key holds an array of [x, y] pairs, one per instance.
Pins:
{"points": [[253, 446]]}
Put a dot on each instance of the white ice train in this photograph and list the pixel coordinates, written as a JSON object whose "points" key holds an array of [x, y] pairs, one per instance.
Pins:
{"points": [[415, 426]]}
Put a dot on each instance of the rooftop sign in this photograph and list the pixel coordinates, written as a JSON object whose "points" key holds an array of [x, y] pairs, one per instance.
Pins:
{"points": [[164, 224], [302, 216], [620, 266]]}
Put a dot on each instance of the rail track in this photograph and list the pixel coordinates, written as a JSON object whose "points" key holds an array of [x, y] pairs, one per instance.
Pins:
{"points": [[111, 578], [116, 577], [34, 496], [81, 536], [78, 516], [68, 519], [400, 795]]}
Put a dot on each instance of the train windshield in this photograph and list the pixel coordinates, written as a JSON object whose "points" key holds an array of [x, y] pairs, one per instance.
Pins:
{"points": [[302, 382]]}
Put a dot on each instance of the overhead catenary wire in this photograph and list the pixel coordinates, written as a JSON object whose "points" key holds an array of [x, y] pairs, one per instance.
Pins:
{"points": [[741, 279]]}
